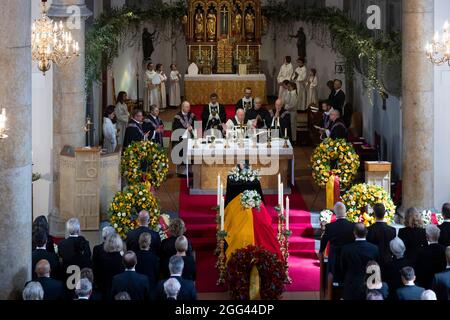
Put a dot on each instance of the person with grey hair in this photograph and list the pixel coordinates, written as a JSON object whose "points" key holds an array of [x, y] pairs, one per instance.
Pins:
{"points": [[83, 289], [147, 261], [122, 296], [172, 288], [391, 270], [109, 263], [187, 291], [53, 289], [189, 269], [409, 290], [428, 295], [258, 116], [337, 234], [413, 234], [337, 129], [431, 259], [33, 291], [75, 249], [132, 238], [374, 295], [441, 280], [98, 250]]}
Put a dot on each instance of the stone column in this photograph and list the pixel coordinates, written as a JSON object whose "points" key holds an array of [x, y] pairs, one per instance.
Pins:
{"points": [[69, 96], [417, 105], [15, 151]]}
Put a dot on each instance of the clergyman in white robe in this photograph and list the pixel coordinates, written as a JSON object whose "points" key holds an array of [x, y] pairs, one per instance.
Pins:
{"points": [[285, 73], [175, 91]]}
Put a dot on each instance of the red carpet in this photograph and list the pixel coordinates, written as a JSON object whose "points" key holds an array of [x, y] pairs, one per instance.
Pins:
{"points": [[201, 228]]}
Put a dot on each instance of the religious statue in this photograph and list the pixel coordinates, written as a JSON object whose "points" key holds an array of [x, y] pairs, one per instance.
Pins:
{"points": [[237, 25], [301, 43], [250, 25], [211, 26], [199, 26], [147, 44]]}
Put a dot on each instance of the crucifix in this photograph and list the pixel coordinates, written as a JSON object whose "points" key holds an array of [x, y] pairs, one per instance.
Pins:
{"points": [[224, 20]]}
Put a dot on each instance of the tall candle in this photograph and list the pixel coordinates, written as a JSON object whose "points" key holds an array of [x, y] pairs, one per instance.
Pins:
{"points": [[221, 189], [285, 132], [287, 213], [219, 192], [281, 192], [222, 213]]}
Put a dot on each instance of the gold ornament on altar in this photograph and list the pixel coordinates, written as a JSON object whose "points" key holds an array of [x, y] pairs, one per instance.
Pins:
{"points": [[199, 26], [50, 42], [211, 26]]}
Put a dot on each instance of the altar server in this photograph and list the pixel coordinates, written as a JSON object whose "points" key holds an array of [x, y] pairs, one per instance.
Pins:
{"points": [[290, 104], [258, 116], [312, 98], [300, 78], [281, 120], [109, 130], [286, 72], [152, 88], [175, 92], [153, 123], [247, 101], [162, 87], [183, 120], [122, 114], [213, 115]]}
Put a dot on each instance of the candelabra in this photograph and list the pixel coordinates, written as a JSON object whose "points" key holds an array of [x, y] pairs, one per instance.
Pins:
{"points": [[221, 258], [87, 128], [283, 239], [438, 51]]}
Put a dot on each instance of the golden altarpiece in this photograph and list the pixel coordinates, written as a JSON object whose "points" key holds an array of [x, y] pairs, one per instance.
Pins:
{"points": [[222, 35]]}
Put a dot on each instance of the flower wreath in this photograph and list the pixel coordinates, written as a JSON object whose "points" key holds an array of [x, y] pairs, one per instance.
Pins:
{"points": [[270, 269], [127, 204], [251, 199], [361, 196], [145, 161], [337, 150]]}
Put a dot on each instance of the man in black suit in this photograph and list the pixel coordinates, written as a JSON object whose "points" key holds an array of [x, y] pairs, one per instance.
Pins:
{"points": [[187, 291], [380, 234], [431, 259], [338, 98], [336, 128], [441, 281], [354, 259], [75, 249], [330, 85], [130, 281], [409, 291], [53, 289], [152, 123], [135, 131], [444, 238], [40, 252], [147, 261], [133, 235], [338, 234]]}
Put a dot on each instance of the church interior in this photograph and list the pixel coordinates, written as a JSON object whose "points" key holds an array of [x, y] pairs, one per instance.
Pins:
{"points": [[226, 136]]}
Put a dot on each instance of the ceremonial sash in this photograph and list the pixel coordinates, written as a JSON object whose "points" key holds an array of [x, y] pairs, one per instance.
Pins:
{"points": [[135, 125]]}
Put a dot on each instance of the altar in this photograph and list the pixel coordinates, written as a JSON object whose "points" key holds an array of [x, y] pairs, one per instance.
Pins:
{"points": [[207, 162], [229, 87]]}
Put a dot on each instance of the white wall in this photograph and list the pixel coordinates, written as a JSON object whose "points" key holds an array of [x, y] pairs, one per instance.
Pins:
{"points": [[42, 131], [441, 116]]}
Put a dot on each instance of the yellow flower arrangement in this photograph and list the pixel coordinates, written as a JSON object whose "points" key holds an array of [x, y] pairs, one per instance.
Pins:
{"points": [[360, 197], [347, 162], [126, 206], [145, 161]]}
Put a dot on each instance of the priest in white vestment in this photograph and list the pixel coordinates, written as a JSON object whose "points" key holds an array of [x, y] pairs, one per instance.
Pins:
{"points": [[122, 114], [162, 87], [236, 127], [286, 72], [152, 89], [300, 77], [175, 91]]}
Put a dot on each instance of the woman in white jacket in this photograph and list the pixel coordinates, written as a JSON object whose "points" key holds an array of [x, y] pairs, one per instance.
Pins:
{"points": [[109, 130]]}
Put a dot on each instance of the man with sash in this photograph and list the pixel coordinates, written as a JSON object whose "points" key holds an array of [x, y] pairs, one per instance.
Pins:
{"points": [[258, 116], [247, 102], [337, 129], [183, 120], [153, 123], [135, 130], [281, 120], [213, 115], [237, 125]]}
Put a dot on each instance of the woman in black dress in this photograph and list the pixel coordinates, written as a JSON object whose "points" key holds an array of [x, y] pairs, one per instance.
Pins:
{"points": [[41, 223], [189, 270], [413, 235]]}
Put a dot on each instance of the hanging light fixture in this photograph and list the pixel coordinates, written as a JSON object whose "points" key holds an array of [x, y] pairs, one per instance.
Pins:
{"points": [[51, 43], [3, 118], [438, 51]]}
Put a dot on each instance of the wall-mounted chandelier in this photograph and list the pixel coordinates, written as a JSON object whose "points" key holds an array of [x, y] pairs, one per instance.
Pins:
{"points": [[438, 51], [50, 42], [3, 118]]}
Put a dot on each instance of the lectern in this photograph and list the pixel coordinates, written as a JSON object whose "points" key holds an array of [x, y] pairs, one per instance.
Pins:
{"points": [[379, 173]]}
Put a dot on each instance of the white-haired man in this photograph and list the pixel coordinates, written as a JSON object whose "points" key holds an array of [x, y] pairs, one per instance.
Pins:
{"points": [[182, 130], [33, 291], [75, 249], [171, 288], [83, 289], [391, 270], [441, 280], [428, 295], [337, 129], [431, 259], [133, 235], [337, 234]]}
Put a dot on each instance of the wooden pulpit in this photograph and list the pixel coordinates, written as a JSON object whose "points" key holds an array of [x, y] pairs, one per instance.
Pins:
{"points": [[378, 173]]}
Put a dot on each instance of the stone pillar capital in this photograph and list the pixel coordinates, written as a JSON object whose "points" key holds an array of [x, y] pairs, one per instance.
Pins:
{"points": [[64, 10]]}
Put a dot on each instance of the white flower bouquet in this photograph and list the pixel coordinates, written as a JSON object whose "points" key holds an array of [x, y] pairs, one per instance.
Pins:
{"points": [[325, 217], [427, 217], [245, 174], [251, 199]]}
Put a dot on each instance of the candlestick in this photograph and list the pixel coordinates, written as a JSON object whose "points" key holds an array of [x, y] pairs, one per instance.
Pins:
{"points": [[285, 132], [189, 49], [279, 179], [281, 193], [211, 53], [222, 214], [218, 190], [221, 189], [287, 213]]}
